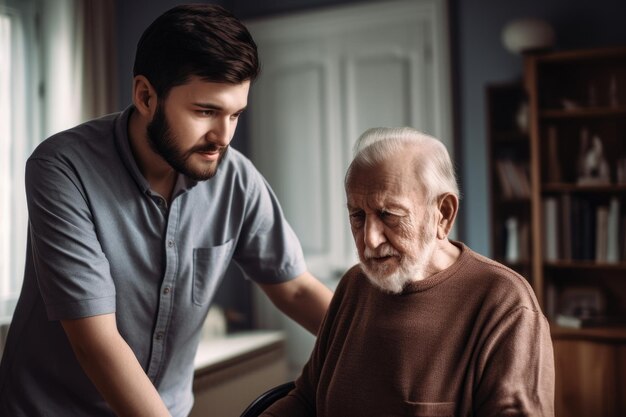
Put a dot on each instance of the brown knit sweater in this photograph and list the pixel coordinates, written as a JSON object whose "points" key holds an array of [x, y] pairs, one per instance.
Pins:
{"points": [[468, 341]]}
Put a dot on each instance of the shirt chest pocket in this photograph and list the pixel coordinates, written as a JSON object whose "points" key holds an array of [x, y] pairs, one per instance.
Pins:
{"points": [[209, 265]]}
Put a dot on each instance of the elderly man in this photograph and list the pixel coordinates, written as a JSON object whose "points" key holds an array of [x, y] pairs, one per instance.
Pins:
{"points": [[423, 326]]}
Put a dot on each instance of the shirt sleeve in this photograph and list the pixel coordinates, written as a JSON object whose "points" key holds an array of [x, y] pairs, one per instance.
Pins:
{"points": [[72, 271], [268, 250], [517, 368]]}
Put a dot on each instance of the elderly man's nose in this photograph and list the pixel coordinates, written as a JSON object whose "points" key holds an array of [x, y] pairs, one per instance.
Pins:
{"points": [[374, 233]]}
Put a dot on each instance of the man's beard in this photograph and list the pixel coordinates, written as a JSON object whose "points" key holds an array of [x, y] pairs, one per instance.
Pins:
{"points": [[163, 142], [407, 271]]}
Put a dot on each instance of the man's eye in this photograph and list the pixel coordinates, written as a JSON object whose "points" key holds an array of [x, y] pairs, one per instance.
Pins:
{"points": [[235, 116], [206, 113], [356, 219], [389, 218]]}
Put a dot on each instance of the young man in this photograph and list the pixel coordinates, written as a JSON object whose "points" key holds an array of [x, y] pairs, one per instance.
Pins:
{"points": [[423, 326], [133, 220]]}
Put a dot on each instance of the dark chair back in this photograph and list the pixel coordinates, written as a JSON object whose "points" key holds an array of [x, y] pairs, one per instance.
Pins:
{"points": [[267, 398]]}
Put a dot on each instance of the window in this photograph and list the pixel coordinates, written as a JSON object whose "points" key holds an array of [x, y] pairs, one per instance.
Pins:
{"points": [[45, 44], [19, 133], [5, 160]]}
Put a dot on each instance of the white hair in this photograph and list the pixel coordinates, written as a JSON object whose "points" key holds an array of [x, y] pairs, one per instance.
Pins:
{"points": [[433, 166]]}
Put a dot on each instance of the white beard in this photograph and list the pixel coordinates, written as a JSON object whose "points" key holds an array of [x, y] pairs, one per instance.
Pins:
{"points": [[408, 270]]}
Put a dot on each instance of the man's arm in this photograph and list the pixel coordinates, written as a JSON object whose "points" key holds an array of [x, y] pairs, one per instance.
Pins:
{"points": [[304, 299], [112, 366]]}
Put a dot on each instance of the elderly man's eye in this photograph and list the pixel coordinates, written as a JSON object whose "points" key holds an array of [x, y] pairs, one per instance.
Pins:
{"points": [[389, 218], [356, 219]]}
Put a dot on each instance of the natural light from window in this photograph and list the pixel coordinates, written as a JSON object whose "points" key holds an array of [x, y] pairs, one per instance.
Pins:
{"points": [[5, 154]]}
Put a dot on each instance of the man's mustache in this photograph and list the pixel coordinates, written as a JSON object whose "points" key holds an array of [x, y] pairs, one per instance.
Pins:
{"points": [[209, 147], [380, 252]]}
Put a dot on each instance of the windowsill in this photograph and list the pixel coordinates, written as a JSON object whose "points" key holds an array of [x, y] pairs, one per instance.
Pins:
{"points": [[217, 352]]}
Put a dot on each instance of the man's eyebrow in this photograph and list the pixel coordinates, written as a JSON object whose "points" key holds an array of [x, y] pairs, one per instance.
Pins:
{"points": [[211, 106]]}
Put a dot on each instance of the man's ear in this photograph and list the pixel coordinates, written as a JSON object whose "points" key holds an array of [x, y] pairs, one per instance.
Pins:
{"points": [[144, 97], [448, 205]]}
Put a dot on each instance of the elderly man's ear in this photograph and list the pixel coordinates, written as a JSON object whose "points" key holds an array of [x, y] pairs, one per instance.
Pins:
{"points": [[448, 205]]}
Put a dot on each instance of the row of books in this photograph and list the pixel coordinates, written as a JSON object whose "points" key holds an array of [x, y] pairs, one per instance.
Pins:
{"points": [[580, 229], [513, 177], [575, 322]]}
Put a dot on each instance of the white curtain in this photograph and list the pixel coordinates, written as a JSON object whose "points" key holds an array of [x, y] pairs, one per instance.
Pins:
{"points": [[78, 61], [53, 75], [19, 120]]}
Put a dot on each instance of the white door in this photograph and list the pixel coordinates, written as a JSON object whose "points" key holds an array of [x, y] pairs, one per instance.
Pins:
{"points": [[326, 77]]}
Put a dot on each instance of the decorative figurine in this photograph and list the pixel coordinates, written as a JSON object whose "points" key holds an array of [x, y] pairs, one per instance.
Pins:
{"points": [[593, 166]]}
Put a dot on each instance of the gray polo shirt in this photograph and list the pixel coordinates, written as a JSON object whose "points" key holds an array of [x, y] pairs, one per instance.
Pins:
{"points": [[101, 241]]}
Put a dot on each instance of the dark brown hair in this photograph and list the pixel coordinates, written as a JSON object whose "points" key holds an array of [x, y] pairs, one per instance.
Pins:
{"points": [[196, 40]]}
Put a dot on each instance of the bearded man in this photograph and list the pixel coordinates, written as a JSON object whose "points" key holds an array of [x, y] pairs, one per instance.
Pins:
{"points": [[133, 221]]}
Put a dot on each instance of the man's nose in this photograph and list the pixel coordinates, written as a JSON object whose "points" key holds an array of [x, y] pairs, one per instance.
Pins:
{"points": [[374, 233], [220, 133]]}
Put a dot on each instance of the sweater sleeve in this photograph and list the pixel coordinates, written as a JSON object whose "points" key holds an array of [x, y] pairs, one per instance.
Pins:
{"points": [[517, 368], [301, 401]]}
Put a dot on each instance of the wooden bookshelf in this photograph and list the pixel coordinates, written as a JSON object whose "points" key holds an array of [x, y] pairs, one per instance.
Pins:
{"points": [[578, 218], [508, 144], [576, 260]]}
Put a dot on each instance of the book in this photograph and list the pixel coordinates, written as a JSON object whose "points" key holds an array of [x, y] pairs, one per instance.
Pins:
{"points": [[587, 230], [612, 246], [524, 242], [512, 253], [550, 229], [576, 229], [513, 178], [602, 219], [554, 166], [565, 227], [523, 176], [622, 236], [505, 184]]}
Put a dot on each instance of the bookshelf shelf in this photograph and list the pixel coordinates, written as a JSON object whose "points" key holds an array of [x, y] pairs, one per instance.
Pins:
{"points": [[616, 333], [587, 265], [595, 112], [572, 153], [583, 189]]}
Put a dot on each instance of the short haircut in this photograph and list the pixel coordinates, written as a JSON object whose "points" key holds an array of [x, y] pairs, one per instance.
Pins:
{"points": [[433, 167], [200, 40]]}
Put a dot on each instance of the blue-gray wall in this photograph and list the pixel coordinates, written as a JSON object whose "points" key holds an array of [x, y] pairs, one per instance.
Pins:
{"points": [[478, 58]]}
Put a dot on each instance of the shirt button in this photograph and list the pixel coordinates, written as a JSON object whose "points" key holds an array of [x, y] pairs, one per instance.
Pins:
{"points": [[170, 243], [159, 336], [166, 290]]}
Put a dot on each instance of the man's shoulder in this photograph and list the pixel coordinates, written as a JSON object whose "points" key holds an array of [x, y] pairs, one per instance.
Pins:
{"points": [[500, 280], [78, 140]]}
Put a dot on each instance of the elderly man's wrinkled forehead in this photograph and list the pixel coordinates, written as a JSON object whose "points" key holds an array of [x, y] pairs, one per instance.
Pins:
{"points": [[395, 172]]}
